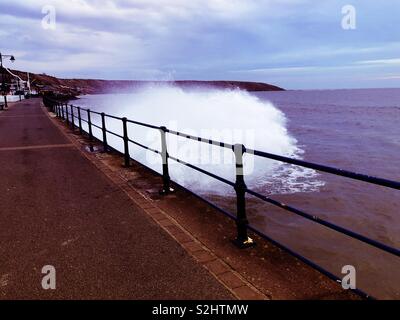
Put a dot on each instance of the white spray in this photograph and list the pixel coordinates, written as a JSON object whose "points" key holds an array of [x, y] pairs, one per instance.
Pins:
{"points": [[230, 116]]}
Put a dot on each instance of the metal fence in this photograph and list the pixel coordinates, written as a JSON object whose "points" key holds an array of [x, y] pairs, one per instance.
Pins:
{"points": [[73, 116]]}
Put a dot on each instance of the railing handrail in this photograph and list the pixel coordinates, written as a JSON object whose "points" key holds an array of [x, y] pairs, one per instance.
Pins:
{"points": [[311, 165], [327, 169], [239, 185]]}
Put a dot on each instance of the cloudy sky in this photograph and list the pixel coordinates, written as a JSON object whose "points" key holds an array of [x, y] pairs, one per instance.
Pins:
{"points": [[297, 44]]}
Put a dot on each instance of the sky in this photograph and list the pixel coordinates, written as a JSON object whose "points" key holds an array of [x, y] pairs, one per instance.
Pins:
{"points": [[295, 44]]}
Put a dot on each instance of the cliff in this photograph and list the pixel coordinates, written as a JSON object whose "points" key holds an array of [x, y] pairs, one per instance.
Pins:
{"points": [[75, 87]]}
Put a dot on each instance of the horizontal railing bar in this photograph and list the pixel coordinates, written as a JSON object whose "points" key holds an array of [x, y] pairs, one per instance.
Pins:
{"points": [[112, 117], [225, 212], [95, 112], [96, 126], [115, 134], [143, 146], [143, 124], [327, 224], [202, 171], [209, 141], [306, 261], [323, 168]]}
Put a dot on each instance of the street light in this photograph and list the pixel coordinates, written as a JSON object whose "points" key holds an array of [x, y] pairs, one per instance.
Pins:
{"points": [[4, 87]]}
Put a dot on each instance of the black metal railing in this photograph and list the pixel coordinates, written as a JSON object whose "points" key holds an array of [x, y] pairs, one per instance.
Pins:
{"points": [[242, 239]]}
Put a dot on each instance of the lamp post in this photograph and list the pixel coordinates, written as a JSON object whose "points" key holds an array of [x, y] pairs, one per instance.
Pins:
{"points": [[3, 86]]}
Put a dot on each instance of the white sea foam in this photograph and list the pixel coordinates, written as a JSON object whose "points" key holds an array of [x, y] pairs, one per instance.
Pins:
{"points": [[230, 116]]}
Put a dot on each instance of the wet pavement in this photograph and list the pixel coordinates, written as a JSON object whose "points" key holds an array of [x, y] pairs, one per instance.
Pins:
{"points": [[58, 209]]}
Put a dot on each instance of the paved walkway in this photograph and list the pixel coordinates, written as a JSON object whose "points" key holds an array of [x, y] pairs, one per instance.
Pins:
{"points": [[57, 209]]}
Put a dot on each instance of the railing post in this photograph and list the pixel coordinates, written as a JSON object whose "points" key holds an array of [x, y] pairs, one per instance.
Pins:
{"points": [[80, 120], [89, 125], [62, 111], [127, 158], [66, 113], [164, 156], [72, 117], [242, 240], [103, 128]]}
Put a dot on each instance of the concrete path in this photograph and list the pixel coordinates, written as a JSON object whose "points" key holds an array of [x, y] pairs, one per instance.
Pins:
{"points": [[57, 209]]}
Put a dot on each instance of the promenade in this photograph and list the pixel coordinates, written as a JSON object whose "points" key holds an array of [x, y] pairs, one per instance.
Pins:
{"points": [[57, 208]]}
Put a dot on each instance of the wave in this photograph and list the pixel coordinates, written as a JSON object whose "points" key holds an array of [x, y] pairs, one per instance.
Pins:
{"points": [[231, 116]]}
